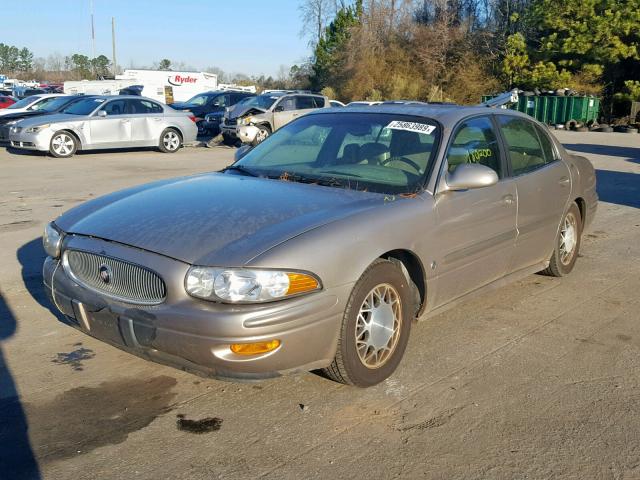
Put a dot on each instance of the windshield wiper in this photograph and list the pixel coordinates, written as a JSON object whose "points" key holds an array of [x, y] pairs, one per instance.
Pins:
{"points": [[241, 169]]}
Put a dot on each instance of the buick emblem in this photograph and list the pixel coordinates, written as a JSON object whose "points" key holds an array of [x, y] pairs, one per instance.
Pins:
{"points": [[105, 273]]}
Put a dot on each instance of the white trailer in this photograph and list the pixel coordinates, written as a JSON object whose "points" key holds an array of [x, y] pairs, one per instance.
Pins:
{"points": [[166, 86], [96, 87]]}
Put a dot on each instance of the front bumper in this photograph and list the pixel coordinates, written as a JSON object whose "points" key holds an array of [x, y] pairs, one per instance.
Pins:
{"points": [[247, 133], [195, 335], [32, 141], [229, 130]]}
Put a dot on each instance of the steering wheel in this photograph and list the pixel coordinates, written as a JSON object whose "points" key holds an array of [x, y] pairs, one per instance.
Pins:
{"points": [[401, 159]]}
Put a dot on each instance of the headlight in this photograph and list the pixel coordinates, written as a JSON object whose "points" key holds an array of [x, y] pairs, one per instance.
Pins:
{"points": [[38, 128], [12, 122], [243, 285], [52, 240], [246, 121]]}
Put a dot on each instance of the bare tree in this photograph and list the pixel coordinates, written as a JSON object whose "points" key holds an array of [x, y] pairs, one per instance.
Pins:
{"points": [[316, 15]]}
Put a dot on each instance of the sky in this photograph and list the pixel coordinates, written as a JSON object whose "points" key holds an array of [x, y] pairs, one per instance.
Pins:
{"points": [[249, 36]]}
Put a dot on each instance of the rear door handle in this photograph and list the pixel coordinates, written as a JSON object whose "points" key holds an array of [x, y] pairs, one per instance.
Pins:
{"points": [[508, 199], [564, 181]]}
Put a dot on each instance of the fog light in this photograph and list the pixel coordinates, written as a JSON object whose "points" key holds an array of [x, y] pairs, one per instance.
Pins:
{"points": [[254, 348]]}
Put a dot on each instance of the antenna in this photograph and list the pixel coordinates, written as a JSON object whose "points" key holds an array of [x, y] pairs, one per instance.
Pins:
{"points": [[113, 46]]}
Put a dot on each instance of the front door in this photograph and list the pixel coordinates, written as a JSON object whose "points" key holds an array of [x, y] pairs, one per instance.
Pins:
{"points": [[113, 128], [543, 184], [476, 228]]}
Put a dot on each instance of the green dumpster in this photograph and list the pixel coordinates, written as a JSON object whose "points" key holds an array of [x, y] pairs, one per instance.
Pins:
{"points": [[556, 109]]}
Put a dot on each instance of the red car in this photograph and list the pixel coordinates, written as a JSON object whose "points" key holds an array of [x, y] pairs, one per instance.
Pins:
{"points": [[6, 101]]}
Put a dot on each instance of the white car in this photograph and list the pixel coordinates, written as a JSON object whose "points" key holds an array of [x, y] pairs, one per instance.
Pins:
{"points": [[30, 104], [101, 122]]}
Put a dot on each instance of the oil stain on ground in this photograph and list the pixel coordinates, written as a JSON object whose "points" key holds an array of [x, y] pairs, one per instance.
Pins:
{"points": [[205, 425], [85, 418], [74, 358]]}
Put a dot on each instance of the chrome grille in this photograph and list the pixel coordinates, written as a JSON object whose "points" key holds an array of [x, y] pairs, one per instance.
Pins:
{"points": [[115, 278]]}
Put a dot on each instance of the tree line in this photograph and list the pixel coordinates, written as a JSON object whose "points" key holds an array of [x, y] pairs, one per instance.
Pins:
{"points": [[439, 50]]}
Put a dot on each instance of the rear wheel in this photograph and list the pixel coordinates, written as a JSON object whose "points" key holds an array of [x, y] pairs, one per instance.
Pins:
{"points": [[567, 247], [170, 141], [63, 145], [375, 327]]}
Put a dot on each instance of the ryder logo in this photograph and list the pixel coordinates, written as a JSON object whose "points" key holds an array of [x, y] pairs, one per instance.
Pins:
{"points": [[178, 80]]}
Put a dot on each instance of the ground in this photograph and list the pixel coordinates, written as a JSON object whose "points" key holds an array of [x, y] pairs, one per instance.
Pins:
{"points": [[536, 380]]}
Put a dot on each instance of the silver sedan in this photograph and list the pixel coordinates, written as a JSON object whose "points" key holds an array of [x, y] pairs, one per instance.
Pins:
{"points": [[319, 247], [106, 122]]}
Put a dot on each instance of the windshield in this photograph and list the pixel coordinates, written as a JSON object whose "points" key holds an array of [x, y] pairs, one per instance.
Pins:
{"points": [[25, 102], [261, 101], [198, 100], [378, 152], [51, 104], [83, 107]]}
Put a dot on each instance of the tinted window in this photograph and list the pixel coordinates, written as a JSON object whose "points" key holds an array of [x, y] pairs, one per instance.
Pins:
{"points": [[525, 151], [83, 107], [143, 106], [305, 103], [319, 102], [25, 102], [115, 107], [220, 101], [475, 142]]}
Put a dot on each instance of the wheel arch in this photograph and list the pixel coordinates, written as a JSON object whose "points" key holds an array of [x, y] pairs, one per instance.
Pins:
{"points": [[413, 268], [582, 206], [177, 129], [73, 134]]}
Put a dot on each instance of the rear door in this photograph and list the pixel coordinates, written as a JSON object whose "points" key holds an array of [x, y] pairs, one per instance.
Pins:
{"points": [[476, 228], [543, 185], [114, 128], [147, 121]]}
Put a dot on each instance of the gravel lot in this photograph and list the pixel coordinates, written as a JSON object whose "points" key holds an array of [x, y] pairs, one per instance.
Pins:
{"points": [[536, 380]]}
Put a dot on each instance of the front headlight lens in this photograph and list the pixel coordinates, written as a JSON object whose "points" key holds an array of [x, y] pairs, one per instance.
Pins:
{"points": [[52, 240], [37, 128], [241, 285], [246, 121]]}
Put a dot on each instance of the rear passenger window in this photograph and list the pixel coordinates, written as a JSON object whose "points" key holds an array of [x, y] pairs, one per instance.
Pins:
{"points": [[138, 107], [475, 142], [319, 102], [547, 146], [525, 150], [305, 103]]}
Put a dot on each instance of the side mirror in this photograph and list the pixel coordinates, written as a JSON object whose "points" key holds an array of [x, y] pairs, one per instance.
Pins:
{"points": [[102, 113], [279, 108], [241, 152], [470, 175]]}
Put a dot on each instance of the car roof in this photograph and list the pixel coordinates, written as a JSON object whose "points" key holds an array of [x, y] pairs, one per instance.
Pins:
{"points": [[448, 115]]}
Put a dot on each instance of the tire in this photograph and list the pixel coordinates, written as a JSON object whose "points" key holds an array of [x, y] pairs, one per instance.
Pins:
{"points": [[605, 129], [63, 145], [228, 139], [572, 124], [170, 141], [371, 356], [263, 133], [560, 264]]}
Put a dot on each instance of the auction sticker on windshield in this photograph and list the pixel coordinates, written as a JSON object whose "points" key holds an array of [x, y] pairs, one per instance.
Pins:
{"points": [[411, 127]]}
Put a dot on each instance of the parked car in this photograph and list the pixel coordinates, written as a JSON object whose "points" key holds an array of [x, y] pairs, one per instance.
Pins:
{"points": [[266, 113], [106, 122], [336, 103], [210, 103], [28, 104], [6, 101], [49, 106], [24, 92], [318, 248], [362, 103]]}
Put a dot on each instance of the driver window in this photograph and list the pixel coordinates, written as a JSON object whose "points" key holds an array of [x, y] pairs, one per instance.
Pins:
{"points": [[116, 107], [475, 142], [287, 104]]}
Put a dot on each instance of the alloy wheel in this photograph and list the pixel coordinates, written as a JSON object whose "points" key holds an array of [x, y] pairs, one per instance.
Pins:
{"points": [[171, 141], [568, 238], [62, 144]]}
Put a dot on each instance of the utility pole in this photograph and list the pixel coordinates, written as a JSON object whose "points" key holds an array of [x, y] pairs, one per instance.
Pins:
{"points": [[113, 46], [93, 33]]}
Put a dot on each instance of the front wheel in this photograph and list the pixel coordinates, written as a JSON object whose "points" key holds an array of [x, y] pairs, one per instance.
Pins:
{"points": [[375, 327], [263, 133], [170, 141], [567, 246], [63, 145]]}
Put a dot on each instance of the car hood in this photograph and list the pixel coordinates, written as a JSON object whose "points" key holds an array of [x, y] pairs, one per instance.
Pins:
{"points": [[21, 115], [51, 118], [182, 106], [243, 110], [214, 219]]}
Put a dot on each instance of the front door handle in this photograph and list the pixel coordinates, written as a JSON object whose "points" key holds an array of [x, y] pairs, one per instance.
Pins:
{"points": [[564, 181], [125, 120], [508, 199]]}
